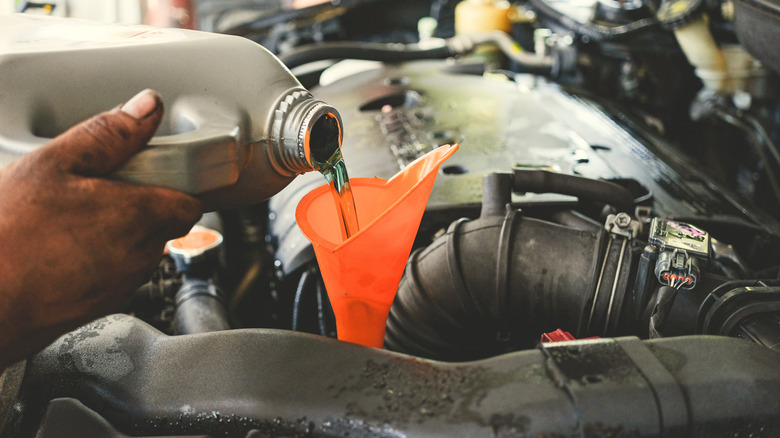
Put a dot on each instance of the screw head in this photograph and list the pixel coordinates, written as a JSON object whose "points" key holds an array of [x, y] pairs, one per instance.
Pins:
{"points": [[622, 220]]}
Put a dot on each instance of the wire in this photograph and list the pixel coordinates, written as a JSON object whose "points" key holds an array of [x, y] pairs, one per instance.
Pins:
{"points": [[757, 136], [302, 283], [764, 136], [675, 281], [322, 303]]}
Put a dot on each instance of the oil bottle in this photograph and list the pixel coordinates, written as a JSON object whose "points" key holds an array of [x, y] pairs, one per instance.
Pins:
{"points": [[238, 125]]}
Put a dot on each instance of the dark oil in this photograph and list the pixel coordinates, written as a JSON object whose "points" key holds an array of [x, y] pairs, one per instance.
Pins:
{"points": [[335, 172]]}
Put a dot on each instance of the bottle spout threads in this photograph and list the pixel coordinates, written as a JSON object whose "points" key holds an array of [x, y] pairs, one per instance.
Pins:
{"points": [[306, 132]]}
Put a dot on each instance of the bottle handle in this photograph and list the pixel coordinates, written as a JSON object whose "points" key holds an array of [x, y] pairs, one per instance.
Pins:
{"points": [[207, 153]]}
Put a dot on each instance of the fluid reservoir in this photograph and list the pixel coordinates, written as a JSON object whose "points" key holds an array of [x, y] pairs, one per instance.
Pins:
{"points": [[238, 125], [473, 16]]}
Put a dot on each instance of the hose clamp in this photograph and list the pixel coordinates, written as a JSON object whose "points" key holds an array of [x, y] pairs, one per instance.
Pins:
{"points": [[612, 282]]}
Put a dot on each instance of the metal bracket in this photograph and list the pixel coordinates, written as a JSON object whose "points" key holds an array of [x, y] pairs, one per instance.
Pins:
{"points": [[622, 224]]}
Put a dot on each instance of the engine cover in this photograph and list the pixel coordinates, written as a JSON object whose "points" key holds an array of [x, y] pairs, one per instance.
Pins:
{"points": [[395, 113]]}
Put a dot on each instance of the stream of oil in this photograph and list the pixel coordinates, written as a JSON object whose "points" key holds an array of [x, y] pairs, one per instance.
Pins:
{"points": [[335, 172]]}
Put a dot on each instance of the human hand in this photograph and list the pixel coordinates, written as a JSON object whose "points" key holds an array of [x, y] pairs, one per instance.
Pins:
{"points": [[74, 243]]}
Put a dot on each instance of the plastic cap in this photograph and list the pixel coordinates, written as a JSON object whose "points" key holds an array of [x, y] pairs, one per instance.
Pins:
{"points": [[673, 14], [194, 246]]}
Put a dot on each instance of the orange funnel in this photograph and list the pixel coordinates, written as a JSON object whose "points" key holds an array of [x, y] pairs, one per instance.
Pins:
{"points": [[362, 273]]}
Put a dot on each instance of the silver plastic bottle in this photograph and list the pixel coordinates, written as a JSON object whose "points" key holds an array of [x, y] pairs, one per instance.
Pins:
{"points": [[238, 125]]}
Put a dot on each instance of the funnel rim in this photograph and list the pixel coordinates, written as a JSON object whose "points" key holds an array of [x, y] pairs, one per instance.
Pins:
{"points": [[308, 230]]}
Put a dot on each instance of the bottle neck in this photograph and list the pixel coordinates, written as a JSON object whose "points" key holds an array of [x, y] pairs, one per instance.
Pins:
{"points": [[306, 132]]}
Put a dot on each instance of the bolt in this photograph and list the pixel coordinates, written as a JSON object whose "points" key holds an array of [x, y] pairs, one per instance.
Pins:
{"points": [[622, 220]]}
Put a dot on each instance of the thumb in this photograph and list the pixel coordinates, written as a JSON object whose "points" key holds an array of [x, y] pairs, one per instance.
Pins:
{"points": [[101, 144]]}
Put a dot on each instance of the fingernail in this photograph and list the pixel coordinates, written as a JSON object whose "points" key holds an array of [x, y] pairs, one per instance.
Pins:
{"points": [[142, 104]]}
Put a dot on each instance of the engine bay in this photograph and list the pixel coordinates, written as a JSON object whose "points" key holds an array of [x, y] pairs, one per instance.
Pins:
{"points": [[601, 257]]}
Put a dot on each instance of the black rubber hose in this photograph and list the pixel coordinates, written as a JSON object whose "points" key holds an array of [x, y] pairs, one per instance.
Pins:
{"points": [[593, 31], [543, 181], [199, 308], [496, 193], [497, 188], [497, 283], [361, 50], [250, 383], [527, 62], [493, 285]]}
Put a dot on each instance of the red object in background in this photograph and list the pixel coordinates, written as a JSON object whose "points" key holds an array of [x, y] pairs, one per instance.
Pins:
{"points": [[170, 13], [560, 336]]}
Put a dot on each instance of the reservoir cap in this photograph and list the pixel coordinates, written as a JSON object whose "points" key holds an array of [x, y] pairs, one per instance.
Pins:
{"points": [[199, 246]]}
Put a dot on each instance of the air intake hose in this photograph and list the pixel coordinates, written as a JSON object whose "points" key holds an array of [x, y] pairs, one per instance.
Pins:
{"points": [[199, 308], [496, 283]]}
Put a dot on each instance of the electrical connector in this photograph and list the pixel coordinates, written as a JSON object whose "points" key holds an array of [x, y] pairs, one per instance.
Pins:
{"points": [[677, 268], [682, 251]]}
